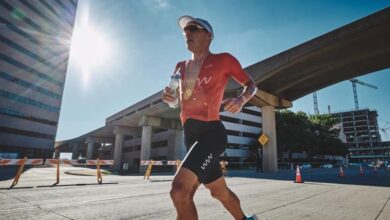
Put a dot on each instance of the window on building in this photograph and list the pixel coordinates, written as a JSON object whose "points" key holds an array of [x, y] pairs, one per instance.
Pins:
{"points": [[251, 135], [127, 149], [158, 144], [137, 147], [249, 111], [231, 132], [251, 123], [107, 153], [229, 119]]}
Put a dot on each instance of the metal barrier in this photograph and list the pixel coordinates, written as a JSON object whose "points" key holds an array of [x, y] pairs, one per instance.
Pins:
{"points": [[10, 162], [77, 162], [223, 167], [22, 162], [97, 162]]}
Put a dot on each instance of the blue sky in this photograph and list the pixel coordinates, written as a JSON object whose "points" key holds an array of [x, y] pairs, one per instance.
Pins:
{"points": [[143, 44]]}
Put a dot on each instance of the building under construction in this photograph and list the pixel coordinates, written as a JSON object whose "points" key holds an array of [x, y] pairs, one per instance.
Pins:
{"points": [[362, 135]]}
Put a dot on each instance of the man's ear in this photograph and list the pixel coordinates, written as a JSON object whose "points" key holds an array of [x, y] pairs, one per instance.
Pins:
{"points": [[209, 35]]}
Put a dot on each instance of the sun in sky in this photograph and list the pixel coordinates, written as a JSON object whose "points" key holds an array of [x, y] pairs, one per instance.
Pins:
{"points": [[89, 48]]}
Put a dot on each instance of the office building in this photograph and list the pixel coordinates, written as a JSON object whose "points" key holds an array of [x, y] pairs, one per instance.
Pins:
{"points": [[35, 39]]}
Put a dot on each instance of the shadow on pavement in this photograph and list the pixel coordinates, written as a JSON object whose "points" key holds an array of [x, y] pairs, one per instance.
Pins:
{"points": [[9, 172], [57, 185], [77, 184]]}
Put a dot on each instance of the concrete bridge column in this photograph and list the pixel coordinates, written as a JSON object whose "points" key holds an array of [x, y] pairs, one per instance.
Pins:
{"points": [[176, 144], [120, 132], [91, 142], [57, 153], [270, 158], [75, 151], [147, 123], [118, 147], [146, 143]]}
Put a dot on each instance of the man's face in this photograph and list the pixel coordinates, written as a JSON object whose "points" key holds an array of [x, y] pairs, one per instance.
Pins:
{"points": [[197, 38]]}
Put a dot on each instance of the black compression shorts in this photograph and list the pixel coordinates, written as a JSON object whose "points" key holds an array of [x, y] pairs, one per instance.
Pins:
{"points": [[205, 141]]}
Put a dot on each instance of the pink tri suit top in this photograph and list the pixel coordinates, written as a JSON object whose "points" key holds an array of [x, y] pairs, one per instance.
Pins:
{"points": [[204, 100]]}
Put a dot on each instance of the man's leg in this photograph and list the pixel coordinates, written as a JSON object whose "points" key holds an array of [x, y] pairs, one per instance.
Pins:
{"points": [[230, 201], [184, 186]]}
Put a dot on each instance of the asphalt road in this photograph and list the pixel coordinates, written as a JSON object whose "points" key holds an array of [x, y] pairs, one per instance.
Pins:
{"points": [[324, 195]]}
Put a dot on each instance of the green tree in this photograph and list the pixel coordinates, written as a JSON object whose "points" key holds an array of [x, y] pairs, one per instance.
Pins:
{"points": [[325, 128], [293, 132], [297, 132]]}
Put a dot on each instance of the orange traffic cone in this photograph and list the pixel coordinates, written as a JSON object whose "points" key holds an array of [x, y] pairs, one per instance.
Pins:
{"points": [[298, 178], [361, 171], [341, 174]]}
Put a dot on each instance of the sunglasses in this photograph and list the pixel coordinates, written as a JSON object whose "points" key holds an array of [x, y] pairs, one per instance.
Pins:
{"points": [[193, 28]]}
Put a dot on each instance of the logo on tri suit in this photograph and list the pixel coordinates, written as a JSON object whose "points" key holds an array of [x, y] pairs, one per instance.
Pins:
{"points": [[205, 80], [207, 161]]}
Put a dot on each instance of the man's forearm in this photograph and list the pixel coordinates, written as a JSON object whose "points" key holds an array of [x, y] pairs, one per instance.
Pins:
{"points": [[249, 91]]}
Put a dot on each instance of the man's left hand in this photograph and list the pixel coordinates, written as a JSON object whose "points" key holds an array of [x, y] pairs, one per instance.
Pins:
{"points": [[233, 105]]}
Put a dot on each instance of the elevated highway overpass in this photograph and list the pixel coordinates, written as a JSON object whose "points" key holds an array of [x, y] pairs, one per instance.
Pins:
{"points": [[356, 49]]}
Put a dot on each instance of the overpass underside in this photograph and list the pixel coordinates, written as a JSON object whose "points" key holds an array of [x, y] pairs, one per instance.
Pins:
{"points": [[356, 49]]}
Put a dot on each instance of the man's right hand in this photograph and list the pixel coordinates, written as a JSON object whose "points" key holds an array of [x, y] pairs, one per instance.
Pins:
{"points": [[168, 95]]}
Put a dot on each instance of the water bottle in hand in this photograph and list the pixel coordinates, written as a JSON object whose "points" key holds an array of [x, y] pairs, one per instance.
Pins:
{"points": [[174, 85]]}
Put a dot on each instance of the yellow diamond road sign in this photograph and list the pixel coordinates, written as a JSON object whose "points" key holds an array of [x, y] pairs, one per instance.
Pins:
{"points": [[263, 139]]}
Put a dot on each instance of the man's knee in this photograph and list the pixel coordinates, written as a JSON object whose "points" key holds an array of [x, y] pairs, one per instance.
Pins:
{"points": [[221, 195], [181, 192]]}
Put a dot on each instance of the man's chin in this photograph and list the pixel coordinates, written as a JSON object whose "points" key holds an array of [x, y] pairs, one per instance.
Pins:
{"points": [[190, 48]]}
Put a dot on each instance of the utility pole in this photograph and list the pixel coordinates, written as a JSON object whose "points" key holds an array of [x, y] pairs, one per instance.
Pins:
{"points": [[354, 81]]}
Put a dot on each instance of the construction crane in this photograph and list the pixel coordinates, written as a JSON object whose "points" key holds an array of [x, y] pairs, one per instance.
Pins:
{"points": [[354, 81], [316, 110], [385, 128]]}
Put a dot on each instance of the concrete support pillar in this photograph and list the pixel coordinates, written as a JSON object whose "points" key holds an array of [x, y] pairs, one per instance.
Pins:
{"points": [[118, 150], [75, 151], [112, 150], [120, 132], [182, 149], [147, 124], [270, 158], [175, 144], [91, 143], [146, 143], [57, 153]]}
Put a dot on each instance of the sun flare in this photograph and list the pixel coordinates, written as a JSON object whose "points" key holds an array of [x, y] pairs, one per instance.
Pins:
{"points": [[89, 48]]}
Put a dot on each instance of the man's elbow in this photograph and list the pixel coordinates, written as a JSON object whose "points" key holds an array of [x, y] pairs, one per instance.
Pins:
{"points": [[251, 88]]}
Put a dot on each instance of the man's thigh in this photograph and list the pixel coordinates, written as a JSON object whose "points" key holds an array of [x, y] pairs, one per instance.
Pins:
{"points": [[185, 179], [218, 186], [203, 161]]}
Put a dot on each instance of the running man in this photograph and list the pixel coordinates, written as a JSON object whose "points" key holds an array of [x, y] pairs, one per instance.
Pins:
{"points": [[203, 80]]}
